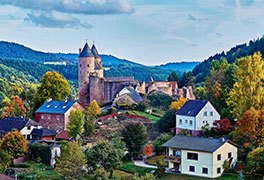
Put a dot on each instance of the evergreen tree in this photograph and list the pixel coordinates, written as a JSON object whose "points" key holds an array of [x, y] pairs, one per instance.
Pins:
{"points": [[173, 77]]}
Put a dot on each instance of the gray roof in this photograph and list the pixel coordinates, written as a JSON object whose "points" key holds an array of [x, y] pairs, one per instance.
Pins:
{"points": [[9, 123], [192, 107], [195, 143], [55, 107], [95, 52], [43, 132], [149, 79], [134, 94], [119, 79], [86, 51]]}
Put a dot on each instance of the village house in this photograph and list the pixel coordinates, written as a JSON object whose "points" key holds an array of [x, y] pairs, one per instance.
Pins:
{"points": [[55, 114], [25, 126], [199, 156], [193, 115]]}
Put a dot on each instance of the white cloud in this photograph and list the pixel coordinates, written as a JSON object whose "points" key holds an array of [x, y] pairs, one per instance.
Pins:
{"points": [[55, 20], [75, 6]]}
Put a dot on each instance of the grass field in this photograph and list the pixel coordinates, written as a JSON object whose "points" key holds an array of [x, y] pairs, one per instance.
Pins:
{"points": [[186, 177], [155, 159], [149, 116], [132, 168]]}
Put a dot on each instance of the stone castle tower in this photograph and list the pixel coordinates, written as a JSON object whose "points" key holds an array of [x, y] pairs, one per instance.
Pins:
{"points": [[89, 64]]}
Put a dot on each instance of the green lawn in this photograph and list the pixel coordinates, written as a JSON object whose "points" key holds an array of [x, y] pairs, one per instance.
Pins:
{"points": [[32, 170], [149, 116], [155, 159], [186, 177], [132, 168]]}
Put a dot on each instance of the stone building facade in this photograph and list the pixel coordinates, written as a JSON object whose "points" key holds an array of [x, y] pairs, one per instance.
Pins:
{"points": [[92, 83], [56, 114]]}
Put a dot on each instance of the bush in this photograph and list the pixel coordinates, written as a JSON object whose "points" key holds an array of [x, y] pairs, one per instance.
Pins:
{"points": [[40, 152]]}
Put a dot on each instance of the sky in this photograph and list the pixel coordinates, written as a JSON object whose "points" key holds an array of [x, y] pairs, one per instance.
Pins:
{"points": [[149, 32]]}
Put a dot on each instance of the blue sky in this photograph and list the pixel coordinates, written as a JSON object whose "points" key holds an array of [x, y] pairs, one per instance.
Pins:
{"points": [[146, 31]]}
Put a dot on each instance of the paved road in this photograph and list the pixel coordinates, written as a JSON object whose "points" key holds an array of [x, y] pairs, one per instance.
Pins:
{"points": [[143, 164]]}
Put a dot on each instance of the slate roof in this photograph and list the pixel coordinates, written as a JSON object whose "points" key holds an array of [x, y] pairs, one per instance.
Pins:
{"points": [[134, 94], [194, 143], [192, 107], [86, 51], [95, 52], [43, 132], [55, 107], [149, 79], [9, 123]]}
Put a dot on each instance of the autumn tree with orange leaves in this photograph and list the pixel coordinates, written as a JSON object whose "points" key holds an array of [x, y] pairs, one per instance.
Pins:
{"points": [[250, 128], [147, 151], [14, 143], [15, 107]]}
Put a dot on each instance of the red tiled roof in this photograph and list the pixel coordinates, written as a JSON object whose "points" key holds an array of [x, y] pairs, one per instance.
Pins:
{"points": [[62, 135]]}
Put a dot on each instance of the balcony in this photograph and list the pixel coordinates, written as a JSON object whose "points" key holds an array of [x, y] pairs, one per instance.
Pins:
{"points": [[176, 159]]}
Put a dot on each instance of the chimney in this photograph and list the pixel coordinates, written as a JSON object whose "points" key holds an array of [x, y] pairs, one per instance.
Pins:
{"points": [[80, 50], [49, 100]]}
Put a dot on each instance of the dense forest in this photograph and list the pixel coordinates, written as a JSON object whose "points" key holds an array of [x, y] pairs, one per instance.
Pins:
{"points": [[203, 69]]}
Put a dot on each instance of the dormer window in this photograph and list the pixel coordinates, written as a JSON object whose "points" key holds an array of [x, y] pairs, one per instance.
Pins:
{"points": [[205, 113], [48, 106], [64, 107], [29, 127]]}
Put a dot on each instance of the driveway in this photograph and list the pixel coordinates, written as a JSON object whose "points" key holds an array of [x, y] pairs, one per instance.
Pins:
{"points": [[143, 164]]}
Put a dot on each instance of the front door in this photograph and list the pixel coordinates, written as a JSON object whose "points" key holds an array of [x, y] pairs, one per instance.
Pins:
{"points": [[176, 166]]}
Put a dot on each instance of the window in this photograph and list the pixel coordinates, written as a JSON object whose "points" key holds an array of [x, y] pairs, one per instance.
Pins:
{"points": [[211, 113], [29, 127], [219, 157], [229, 155], [80, 65], [87, 65], [192, 156], [205, 113], [48, 116], [191, 123], [218, 170], [186, 121], [191, 168], [205, 170], [42, 116], [180, 121]]}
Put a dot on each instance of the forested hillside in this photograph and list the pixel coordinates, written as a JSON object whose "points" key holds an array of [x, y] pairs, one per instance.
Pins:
{"points": [[203, 69]]}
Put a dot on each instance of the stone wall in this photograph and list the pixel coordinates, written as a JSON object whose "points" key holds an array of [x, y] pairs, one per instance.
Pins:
{"points": [[96, 89]]}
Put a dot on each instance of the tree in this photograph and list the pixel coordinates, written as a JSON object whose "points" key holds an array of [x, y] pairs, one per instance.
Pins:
{"points": [[54, 86], [135, 137], [14, 143], [71, 162], [167, 121], [40, 152], [250, 127], [186, 79], [15, 107], [161, 139], [173, 77], [248, 91], [222, 126], [147, 151], [178, 104], [255, 161], [147, 176], [119, 145], [104, 155], [75, 124], [5, 160], [159, 100], [94, 109]]}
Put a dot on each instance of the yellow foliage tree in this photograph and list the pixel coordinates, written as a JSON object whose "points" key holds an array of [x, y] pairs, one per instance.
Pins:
{"points": [[178, 104], [94, 109], [248, 91], [14, 143]]}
